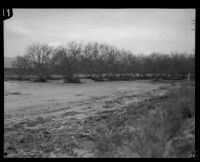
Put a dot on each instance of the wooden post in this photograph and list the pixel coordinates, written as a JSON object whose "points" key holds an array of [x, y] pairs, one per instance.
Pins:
{"points": [[188, 77]]}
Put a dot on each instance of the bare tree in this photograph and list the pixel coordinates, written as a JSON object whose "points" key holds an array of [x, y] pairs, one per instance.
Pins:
{"points": [[39, 56], [88, 59], [99, 59], [68, 59], [21, 64]]}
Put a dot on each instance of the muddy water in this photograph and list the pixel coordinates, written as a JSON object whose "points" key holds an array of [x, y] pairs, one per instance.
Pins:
{"points": [[26, 100]]}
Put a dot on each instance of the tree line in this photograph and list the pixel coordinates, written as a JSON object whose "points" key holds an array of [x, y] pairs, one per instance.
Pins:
{"points": [[99, 61]]}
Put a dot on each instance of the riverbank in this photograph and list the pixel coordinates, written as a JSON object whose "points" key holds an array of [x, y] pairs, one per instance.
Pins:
{"points": [[159, 123]]}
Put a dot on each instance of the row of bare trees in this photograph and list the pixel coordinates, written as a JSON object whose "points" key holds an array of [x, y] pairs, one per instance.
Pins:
{"points": [[77, 58]]}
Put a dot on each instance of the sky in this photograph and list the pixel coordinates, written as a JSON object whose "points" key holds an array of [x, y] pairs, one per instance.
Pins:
{"points": [[141, 31]]}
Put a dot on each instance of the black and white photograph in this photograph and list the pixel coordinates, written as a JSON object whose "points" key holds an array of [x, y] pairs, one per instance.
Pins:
{"points": [[99, 82]]}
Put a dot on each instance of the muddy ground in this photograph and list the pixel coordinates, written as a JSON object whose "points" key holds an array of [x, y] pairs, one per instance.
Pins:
{"points": [[26, 100], [54, 119]]}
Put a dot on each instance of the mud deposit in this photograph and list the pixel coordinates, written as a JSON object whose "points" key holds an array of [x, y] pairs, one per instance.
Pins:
{"points": [[50, 119]]}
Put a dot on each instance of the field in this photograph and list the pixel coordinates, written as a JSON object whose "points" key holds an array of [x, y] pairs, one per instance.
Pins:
{"points": [[98, 119]]}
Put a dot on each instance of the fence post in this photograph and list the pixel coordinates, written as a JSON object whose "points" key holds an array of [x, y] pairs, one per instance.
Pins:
{"points": [[188, 77]]}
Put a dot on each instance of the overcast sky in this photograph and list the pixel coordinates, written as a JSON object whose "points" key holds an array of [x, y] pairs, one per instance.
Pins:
{"points": [[137, 30]]}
